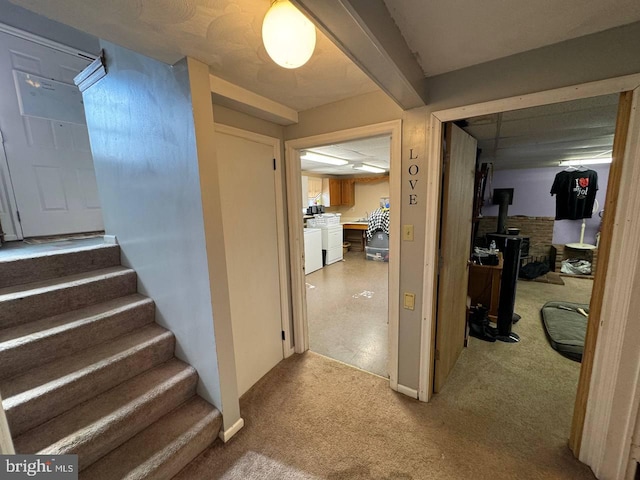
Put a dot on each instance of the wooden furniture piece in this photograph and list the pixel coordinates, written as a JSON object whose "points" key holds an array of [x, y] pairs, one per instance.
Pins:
{"points": [[342, 192], [348, 192], [355, 233], [484, 286], [335, 192]]}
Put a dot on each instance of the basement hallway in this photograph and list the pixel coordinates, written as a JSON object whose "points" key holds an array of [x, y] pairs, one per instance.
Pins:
{"points": [[315, 418]]}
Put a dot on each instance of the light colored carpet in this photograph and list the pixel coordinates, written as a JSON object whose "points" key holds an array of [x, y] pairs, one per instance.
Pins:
{"points": [[551, 277], [504, 414]]}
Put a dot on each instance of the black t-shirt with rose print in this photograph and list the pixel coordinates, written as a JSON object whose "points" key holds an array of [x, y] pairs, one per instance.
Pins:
{"points": [[575, 194]]}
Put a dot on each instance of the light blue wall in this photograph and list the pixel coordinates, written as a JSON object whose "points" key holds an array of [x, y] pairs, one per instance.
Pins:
{"points": [[141, 127]]}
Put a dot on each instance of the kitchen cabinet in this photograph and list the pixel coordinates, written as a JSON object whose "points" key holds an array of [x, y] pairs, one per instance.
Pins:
{"points": [[348, 192], [314, 191], [339, 192], [335, 192]]}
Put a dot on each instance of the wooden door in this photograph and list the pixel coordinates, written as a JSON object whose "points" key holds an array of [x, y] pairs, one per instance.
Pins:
{"points": [[248, 199], [455, 246], [46, 140]]}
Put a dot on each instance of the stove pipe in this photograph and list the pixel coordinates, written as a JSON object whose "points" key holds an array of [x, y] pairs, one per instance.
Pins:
{"points": [[502, 199]]}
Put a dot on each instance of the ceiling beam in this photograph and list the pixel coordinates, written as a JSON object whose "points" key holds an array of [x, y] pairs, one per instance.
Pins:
{"points": [[232, 96], [366, 33]]}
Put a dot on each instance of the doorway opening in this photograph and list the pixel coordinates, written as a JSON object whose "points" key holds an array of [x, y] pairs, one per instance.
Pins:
{"points": [[47, 180], [345, 306], [624, 113], [346, 208], [528, 287]]}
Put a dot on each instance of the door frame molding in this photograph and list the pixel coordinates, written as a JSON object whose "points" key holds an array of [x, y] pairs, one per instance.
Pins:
{"points": [[614, 388], [294, 184], [609, 362], [275, 143], [32, 37], [6, 189]]}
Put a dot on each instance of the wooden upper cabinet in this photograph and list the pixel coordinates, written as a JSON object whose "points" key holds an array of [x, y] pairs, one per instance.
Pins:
{"points": [[338, 192], [348, 192], [314, 187], [335, 192]]}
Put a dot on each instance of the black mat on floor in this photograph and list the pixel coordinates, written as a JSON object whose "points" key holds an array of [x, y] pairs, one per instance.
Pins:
{"points": [[566, 327]]}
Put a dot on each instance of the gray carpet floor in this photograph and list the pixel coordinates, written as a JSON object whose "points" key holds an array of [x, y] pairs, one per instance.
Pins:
{"points": [[505, 413]]}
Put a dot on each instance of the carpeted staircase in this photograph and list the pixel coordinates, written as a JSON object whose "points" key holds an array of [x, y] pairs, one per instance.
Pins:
{"points": [[85, 370]]}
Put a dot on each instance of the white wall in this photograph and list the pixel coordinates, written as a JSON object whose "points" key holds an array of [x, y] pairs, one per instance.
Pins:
{"points": [[147, 160]]}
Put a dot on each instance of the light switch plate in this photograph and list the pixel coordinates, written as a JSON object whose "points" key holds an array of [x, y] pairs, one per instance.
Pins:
{"points": [[407, 233], [409, 301]]}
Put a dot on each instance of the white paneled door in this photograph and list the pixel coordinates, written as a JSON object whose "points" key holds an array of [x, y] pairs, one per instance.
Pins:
{"points": [[48, 157], [248, 199]]}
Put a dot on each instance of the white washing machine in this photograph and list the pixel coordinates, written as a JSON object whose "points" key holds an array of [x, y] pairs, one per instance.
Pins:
{"points": [[332, 243], [312, 250]]}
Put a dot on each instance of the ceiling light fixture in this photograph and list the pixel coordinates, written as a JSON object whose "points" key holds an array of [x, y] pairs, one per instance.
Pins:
{"points": [[368, 168], [590, 161], [317, 157], [288, 35]]}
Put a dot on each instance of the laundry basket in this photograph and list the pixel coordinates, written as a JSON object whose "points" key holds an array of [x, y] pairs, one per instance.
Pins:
{"points": [[324, 219]]}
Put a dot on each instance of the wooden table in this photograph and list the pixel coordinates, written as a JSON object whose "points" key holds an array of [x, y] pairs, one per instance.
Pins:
{"points": [[484, 286], [355, 233]]}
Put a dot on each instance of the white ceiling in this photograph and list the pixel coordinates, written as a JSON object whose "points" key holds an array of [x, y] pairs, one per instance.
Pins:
{"points": [[528, 138], [543, 136], [375, 151], [453, 34], [445, 35], [224, 34]]}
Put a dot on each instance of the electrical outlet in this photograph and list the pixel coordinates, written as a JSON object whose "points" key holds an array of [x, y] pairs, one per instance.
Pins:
{"points": [[410, 301], [407, 233]]}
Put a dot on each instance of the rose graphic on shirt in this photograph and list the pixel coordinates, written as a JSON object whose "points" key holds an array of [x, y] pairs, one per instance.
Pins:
{"points": [[584, 182]]}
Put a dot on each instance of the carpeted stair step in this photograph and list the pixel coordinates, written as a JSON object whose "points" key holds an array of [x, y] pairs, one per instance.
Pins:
{"points": [[37, 343], [164, 448], [96, 427], [44, 392], [33, 301], [48, 265]]}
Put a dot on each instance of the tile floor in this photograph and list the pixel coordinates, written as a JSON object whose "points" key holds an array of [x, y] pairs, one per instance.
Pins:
{"points": [[347, 308]]}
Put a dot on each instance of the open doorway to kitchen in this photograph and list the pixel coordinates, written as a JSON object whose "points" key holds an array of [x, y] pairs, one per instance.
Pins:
{"points": [[345, 299], [346, 211]]}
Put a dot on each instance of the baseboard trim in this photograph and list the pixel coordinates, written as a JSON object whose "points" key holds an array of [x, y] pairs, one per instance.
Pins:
{"points": [[225, 435], [409, 392], [111, 239]]}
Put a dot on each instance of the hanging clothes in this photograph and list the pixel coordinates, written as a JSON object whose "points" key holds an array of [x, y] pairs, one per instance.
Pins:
{"points": [[378, 220], [575, 193]]}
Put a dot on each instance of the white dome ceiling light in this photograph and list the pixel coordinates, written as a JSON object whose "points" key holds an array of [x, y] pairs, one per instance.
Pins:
{"points": [[288, 35]]}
